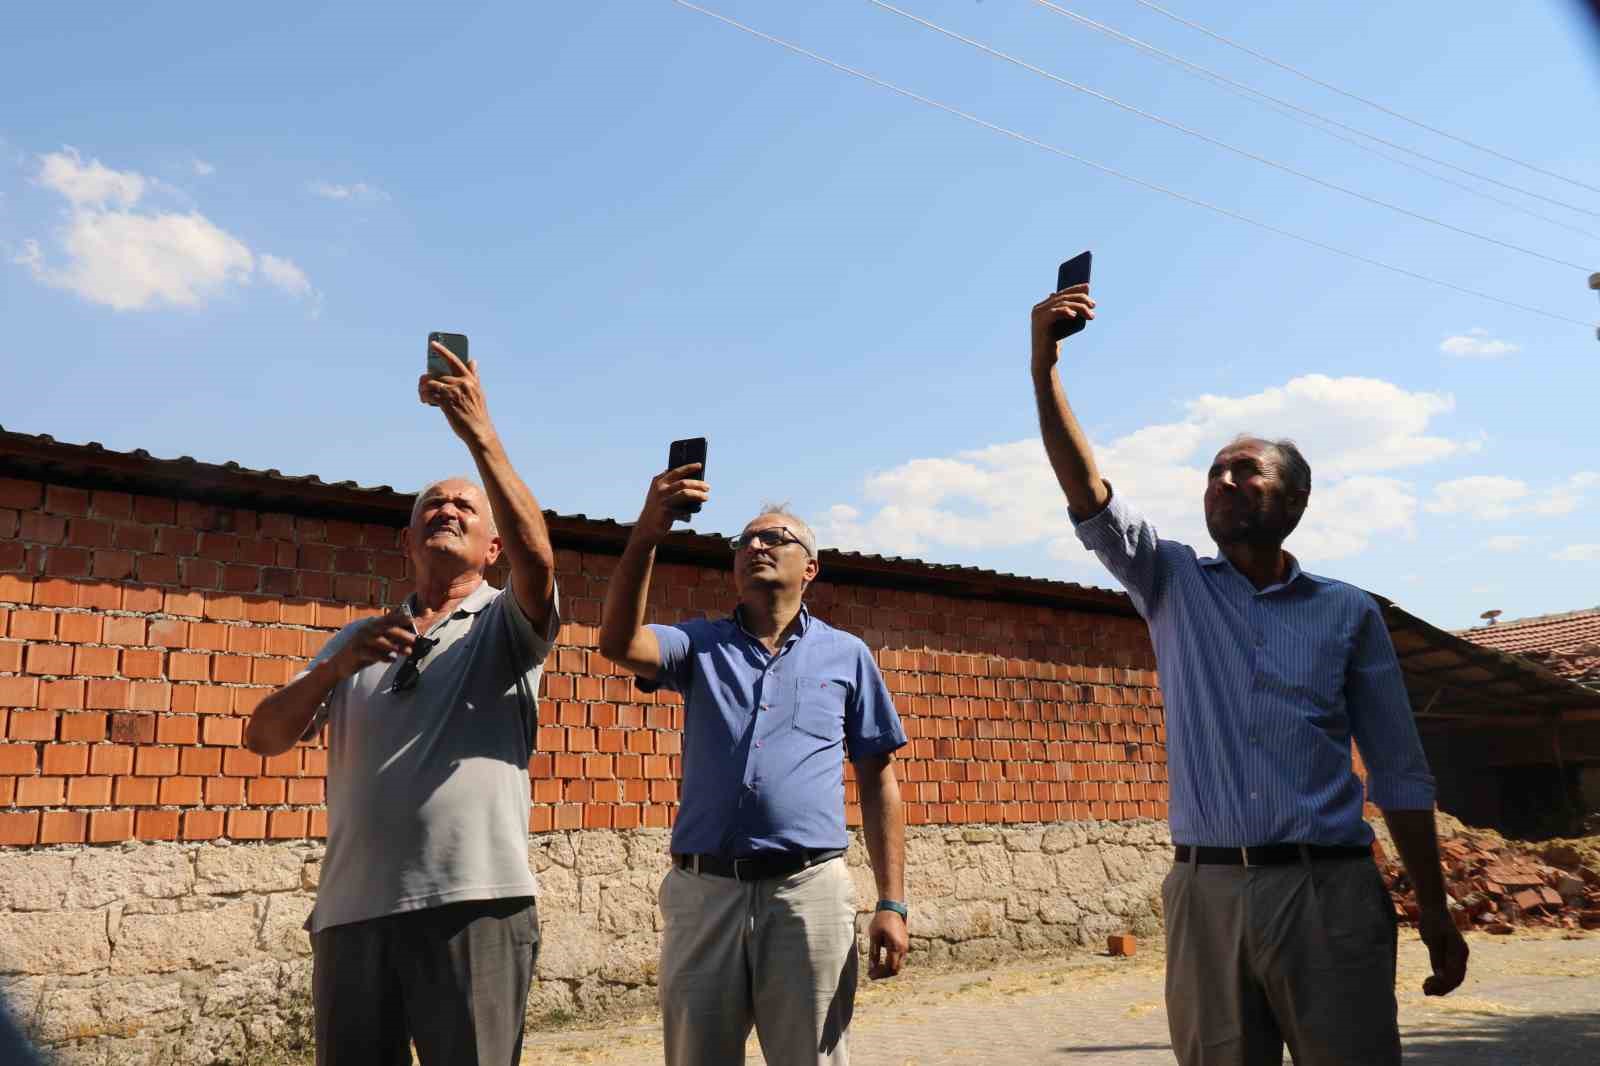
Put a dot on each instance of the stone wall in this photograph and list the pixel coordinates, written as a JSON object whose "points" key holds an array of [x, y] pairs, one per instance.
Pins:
{"points": [[147, 953]]}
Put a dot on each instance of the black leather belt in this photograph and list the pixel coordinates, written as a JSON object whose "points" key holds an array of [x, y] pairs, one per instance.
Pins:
{"points": [[1268, 854], [755, 867]]}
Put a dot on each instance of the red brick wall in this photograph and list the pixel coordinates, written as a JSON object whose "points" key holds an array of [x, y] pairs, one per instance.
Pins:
{"points": [[138, 632]]}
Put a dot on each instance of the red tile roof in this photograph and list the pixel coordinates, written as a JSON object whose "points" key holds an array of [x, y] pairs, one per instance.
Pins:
{"points": [[1568, 644]]}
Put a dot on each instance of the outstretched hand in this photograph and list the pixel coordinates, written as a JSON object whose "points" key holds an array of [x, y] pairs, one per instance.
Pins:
{"points": [[459, 394]]}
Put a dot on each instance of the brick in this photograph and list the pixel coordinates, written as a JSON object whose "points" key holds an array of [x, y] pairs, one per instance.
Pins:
{"points": [[121, 629], [67, 562], [95, 662], [202, 825], [180, 791], [224, 791], [157, 825], [141, 598], [155, 762], [106, 827], [33, 625], [100, 595], [21, 495], [305, 791], [225, 605], [32, 725], [78, 628], [186, 604], [222, 732], [273, 671], [157, 569], [286, 825], [19, 691], [19, 828], [61, 695], [65, 759], [237, 762], [133, 536], [246, 640], [89, 792], [41, 791], [200, 762], [230, 669], [18, 759], [133, 728], [178, 729], [55, 592], [284, 765], [208, 636], [247, 825], [169, 633], [60, 499], [112, 564], [189, 666], [10, 652], [136, 791], [110, 759], [112, 694], [16, 589], [143, 662], [63, 827], [53, 659], [150, 696]]}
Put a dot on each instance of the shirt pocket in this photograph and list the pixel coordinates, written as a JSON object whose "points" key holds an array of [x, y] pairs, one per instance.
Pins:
{"points": [[819, 708]]}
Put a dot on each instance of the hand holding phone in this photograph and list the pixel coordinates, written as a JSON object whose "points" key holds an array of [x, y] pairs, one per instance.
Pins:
{"points": [[438, 365], [682, 453], [1074, 271]]}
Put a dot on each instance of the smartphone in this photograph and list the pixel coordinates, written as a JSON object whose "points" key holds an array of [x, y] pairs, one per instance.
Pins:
{"points": [[1074, 271], [684, 452], [456, 342]]}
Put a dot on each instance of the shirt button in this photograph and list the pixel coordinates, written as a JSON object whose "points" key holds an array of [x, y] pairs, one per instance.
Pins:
{"points": [[1252, 795], [758, 743], [1254, 739]]}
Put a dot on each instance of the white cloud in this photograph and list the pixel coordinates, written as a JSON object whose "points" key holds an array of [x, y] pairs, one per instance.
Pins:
{"points": [[1351, 429], [91, 184], [1491, 497], [1477, 343], [1578, 553], [1507, 543], [203, 169], [359, 191], [130, 257]]}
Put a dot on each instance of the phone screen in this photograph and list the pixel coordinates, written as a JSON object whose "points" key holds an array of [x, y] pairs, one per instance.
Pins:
{"points": [[1074, 271], [456, 342], [684, 452]]}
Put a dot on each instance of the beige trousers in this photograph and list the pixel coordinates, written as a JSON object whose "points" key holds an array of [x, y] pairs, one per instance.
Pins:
{"points": [[1262, 956], [779, 955]]}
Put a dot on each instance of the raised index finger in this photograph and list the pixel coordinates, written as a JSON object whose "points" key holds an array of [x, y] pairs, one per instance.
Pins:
{"points": [[458, 369]]}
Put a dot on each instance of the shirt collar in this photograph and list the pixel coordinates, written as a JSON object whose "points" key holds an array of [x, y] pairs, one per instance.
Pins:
{"points": [[475, 601], [737, 618], [1295, 573]]}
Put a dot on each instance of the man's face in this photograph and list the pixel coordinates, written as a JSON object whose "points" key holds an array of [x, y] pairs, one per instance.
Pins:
{"points": [[1247, 500], [451, 520], [783, 566]]}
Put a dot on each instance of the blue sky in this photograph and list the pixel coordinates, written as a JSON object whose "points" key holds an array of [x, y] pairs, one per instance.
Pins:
{"points": [[228, 239]]}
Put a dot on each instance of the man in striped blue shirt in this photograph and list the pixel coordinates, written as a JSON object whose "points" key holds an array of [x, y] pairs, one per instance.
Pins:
{"points": [[1279, 928]]}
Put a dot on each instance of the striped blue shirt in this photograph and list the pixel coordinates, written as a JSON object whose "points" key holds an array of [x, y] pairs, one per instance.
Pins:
{"points": [[1264, 691]]}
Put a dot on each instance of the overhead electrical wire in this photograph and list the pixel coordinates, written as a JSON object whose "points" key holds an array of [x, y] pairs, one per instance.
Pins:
{"points": [[1286, 168], [1239, 86], [1062, 152], [1247, 50]]}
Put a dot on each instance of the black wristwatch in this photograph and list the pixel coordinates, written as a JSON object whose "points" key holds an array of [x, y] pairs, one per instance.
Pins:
{"points": [[894, 905]]}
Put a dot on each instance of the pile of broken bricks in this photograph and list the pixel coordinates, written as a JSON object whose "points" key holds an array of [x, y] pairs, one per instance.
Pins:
{"points": [[1501, 889]]}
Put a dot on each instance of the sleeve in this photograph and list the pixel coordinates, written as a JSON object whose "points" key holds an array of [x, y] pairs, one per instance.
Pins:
{"points": [[871, 724], [533, 648], [329, 650], [1398, 778], [677, 662], [1128, 547]]}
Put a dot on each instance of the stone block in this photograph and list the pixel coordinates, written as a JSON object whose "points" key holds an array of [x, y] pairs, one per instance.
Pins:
{"points": [[134, 871], [34, 881], [224, 869], [189, 940], [54, 942], [283, 930]]}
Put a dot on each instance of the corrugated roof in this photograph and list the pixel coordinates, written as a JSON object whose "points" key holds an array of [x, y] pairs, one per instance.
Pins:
{"points": [[42, 457]]}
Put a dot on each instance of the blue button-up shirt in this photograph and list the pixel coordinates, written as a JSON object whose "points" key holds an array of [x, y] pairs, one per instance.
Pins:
{"points": [[1263, 691], [765, 735]]}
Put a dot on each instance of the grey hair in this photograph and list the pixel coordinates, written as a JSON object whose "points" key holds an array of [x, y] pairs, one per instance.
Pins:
{"points": [[1291, 464], [796, 524], [423, 492]]}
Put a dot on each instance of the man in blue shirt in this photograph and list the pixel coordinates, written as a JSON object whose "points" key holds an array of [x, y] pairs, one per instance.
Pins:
{"points": [[759, 907], [1279, 928]]}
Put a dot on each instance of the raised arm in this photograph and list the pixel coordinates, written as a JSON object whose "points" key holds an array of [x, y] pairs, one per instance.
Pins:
{"points": [[524, 537], [623, 636], [1064, 442]]}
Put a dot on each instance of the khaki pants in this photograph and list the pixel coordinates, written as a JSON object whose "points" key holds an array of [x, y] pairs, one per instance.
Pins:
{"points": [[1259, 956], [778, 954]]}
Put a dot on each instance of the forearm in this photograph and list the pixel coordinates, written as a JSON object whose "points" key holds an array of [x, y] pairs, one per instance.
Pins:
{"points": [[1417, 840], [524, 536], [1065, 443], [884, 827], [622, 617], [279, 721]]}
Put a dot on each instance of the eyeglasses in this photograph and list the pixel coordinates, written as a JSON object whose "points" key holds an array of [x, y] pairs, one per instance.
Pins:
{"points": [[406, 678], [770, 537]]}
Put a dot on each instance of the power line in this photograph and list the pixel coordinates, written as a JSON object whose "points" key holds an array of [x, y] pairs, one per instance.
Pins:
{"points": [[1239, 86], [1287, 169], [1034, 142], [1158, 9]]}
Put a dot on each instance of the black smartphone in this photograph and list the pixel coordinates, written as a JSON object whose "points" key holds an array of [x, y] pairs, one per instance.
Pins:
{"points": [[684, 452], [456, 342], [1074, 271]]}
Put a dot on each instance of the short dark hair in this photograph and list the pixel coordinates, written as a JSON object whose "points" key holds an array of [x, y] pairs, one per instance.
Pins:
{"points": [[1291, 464]]}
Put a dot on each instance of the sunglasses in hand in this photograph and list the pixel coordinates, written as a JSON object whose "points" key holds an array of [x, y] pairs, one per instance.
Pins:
{"points": [[406, 678]]}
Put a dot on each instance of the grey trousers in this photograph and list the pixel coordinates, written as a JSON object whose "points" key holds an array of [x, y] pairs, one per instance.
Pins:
{"points": [[1260, 956], [779, 955], [454, 979]]}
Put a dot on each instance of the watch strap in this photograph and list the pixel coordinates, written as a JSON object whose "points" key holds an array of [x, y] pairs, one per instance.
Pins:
{"points": [[894, 905]]}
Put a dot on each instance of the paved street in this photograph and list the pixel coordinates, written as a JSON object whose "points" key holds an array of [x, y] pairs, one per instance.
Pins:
{"points": [[1530, 999]]}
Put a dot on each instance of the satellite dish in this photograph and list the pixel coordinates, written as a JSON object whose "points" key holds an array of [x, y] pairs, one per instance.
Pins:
{"points": [[1491, 615]]}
